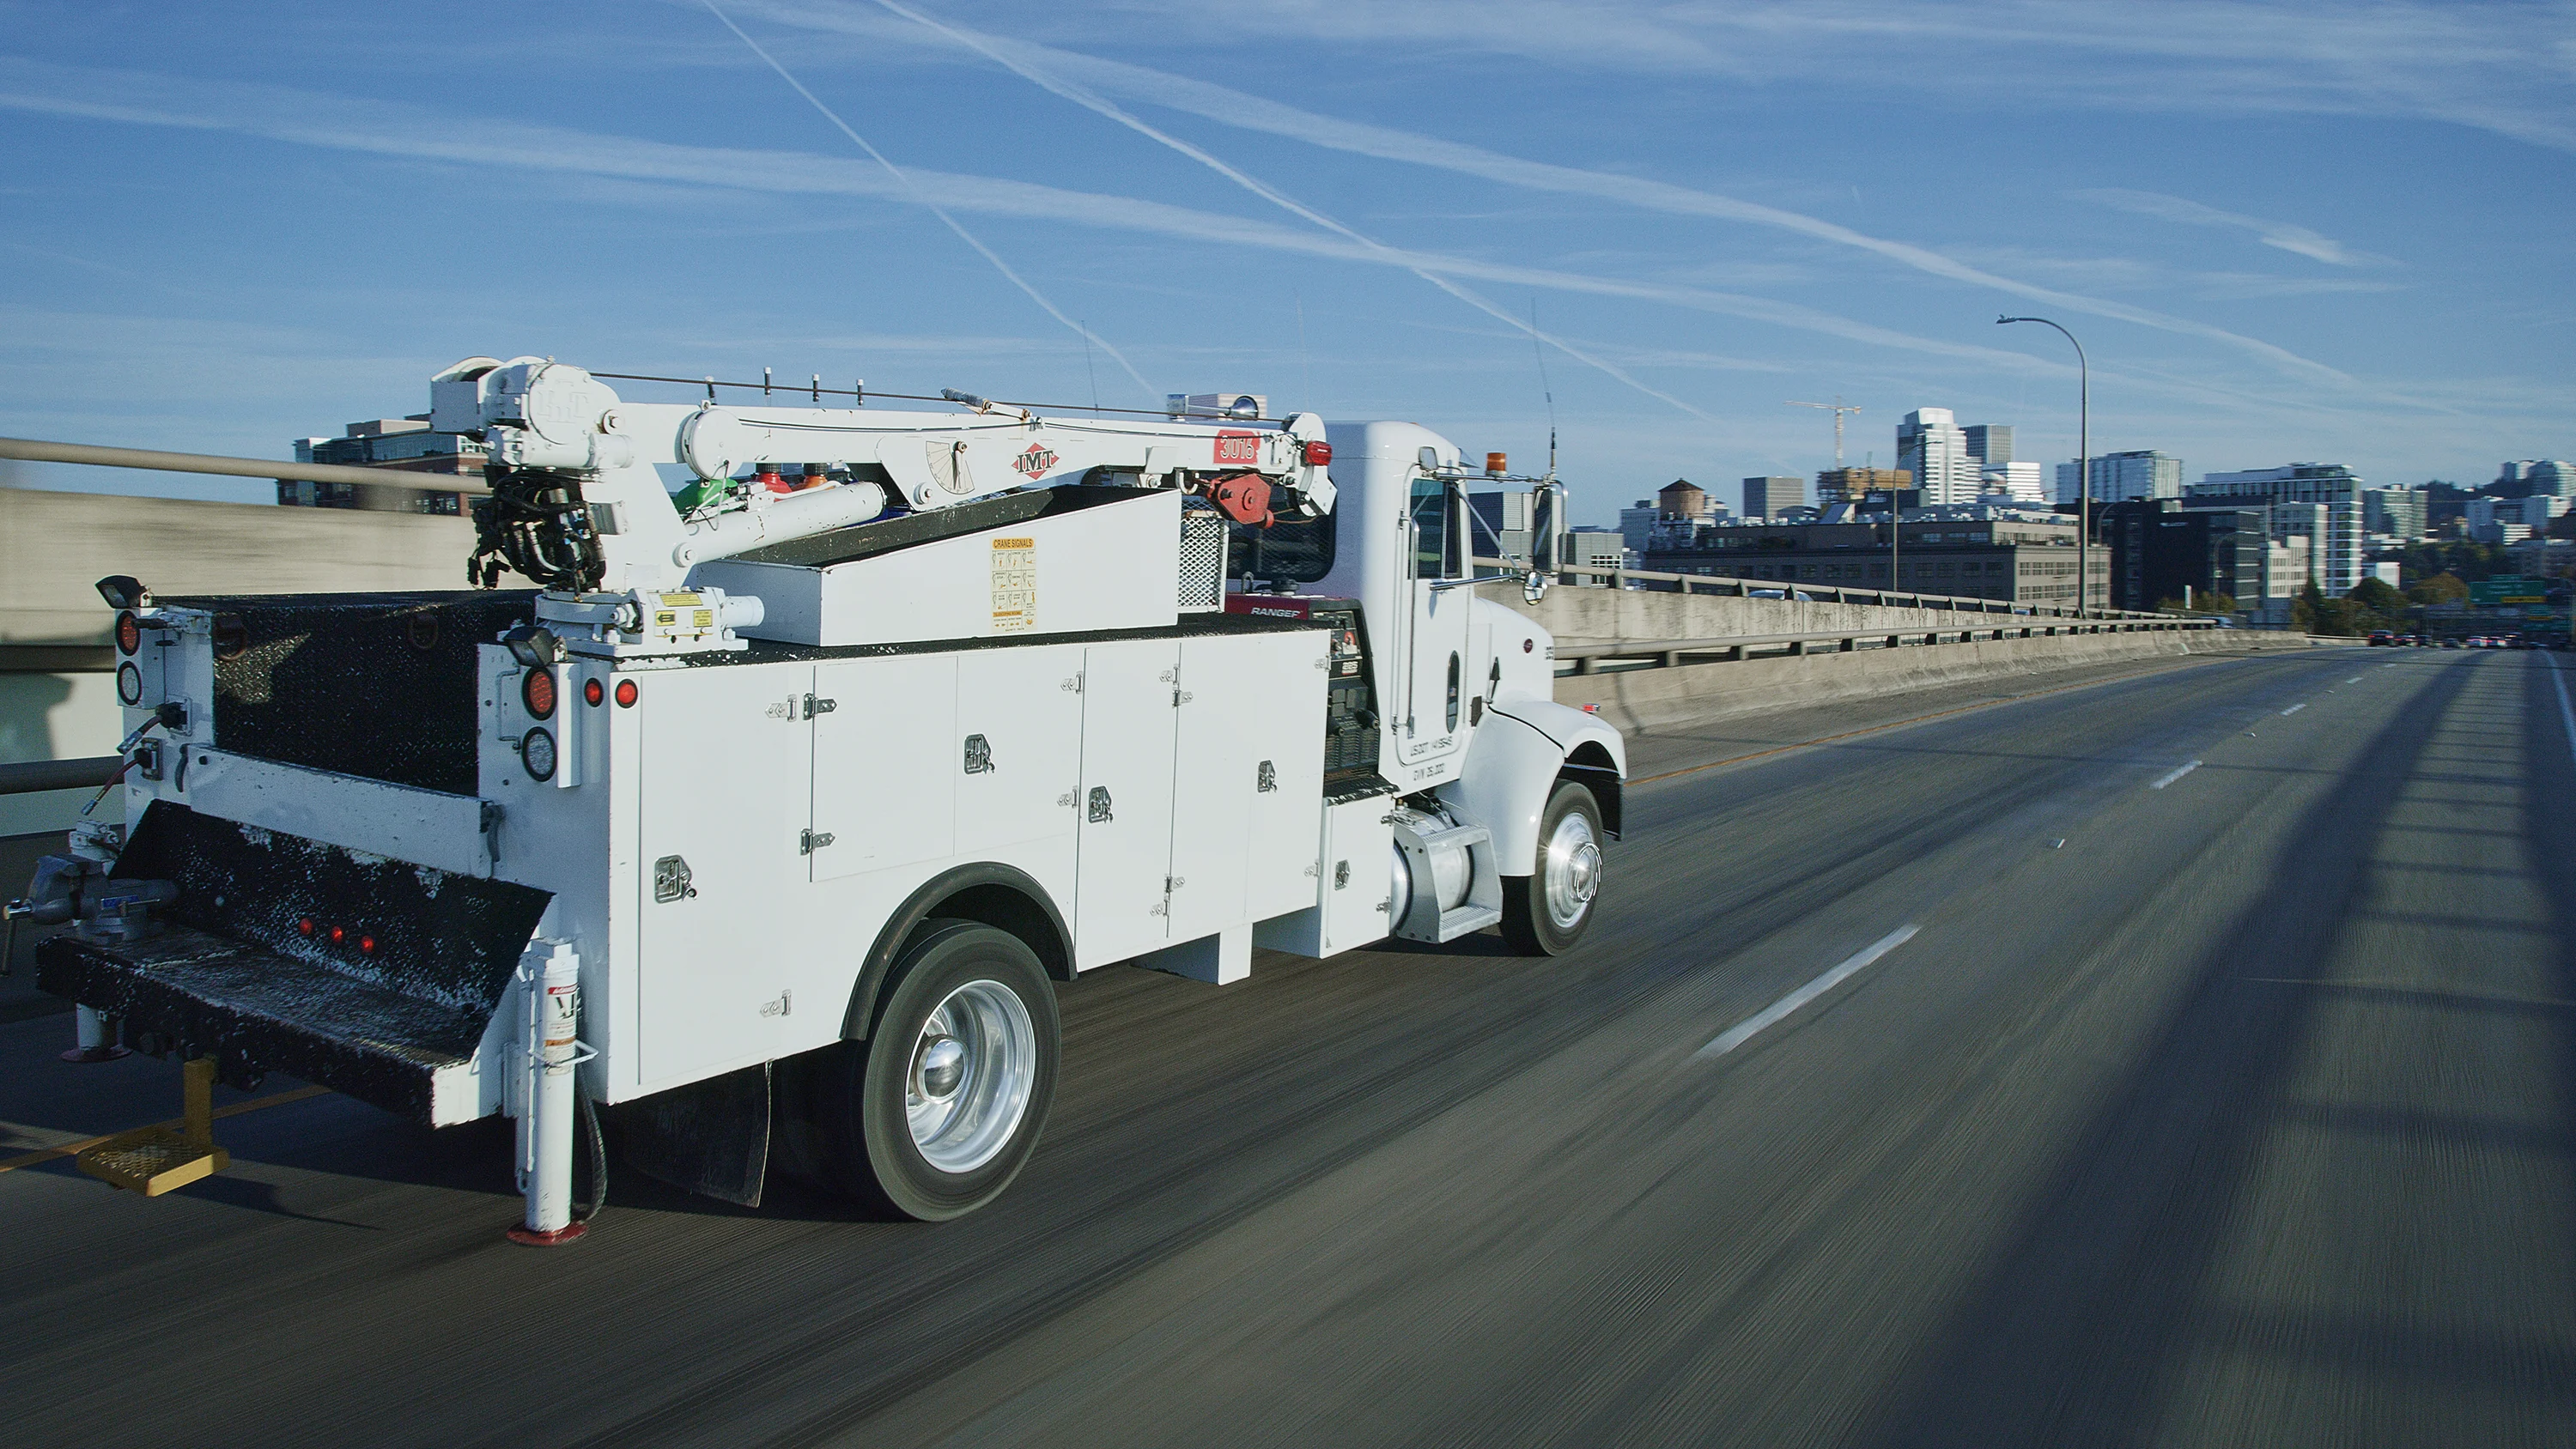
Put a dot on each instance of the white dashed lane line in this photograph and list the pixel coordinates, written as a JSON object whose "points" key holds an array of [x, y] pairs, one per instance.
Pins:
{"points": [[2176, 773], [1771, 1015], [2294, 709]]}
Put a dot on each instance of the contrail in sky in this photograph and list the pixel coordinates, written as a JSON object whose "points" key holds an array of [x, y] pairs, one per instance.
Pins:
{"points": [[1094, 102], [935, 208]]}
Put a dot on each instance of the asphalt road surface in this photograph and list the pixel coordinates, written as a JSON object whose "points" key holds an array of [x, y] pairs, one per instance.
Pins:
{"points": [[2187, 1058]]}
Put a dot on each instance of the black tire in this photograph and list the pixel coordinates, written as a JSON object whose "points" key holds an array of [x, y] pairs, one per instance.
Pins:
{"points": [[861, 1111], [1530, 923]]}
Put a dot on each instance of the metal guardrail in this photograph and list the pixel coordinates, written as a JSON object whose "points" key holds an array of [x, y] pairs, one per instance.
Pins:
{"points": [[1729, 586], [36, 776], [36, 450], [1666, 653]]}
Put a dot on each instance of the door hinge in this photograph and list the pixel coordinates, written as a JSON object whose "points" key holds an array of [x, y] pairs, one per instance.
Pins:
{"points": [[1181, 697], [815, 704], [1172, 883], [1073, 685], [809, 841]]}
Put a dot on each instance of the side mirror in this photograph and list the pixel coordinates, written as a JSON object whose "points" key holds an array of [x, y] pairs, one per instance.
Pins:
{"points": [[1543, 530], [1533, 587], [1429, 458]]}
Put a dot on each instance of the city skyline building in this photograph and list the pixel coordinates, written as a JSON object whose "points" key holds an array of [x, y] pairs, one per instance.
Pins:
{"points": [[2320, 500], [1765, 496], [2120, 477], [1991, 444], [1931, 445]]}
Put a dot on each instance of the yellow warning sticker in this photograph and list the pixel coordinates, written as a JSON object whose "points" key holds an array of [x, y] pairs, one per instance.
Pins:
{"points": [[1015, 584]]}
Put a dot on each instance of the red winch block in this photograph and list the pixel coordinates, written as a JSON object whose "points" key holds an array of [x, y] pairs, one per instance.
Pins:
{"points": [[1243, 497]]}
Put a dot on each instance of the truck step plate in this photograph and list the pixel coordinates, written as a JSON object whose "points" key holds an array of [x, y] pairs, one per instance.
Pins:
{"points": [[370, 976]]}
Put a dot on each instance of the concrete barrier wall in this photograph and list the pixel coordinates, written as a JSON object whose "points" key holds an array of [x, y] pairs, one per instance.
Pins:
{"points": [[1645, 700], [54, 546]]}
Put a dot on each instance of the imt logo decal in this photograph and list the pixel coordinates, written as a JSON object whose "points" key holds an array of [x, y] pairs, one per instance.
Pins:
{"points": [[1035, 461]]}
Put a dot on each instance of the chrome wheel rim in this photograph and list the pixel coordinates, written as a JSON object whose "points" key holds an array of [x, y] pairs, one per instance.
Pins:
{"points": [[973, 1068], [1570, 868]]}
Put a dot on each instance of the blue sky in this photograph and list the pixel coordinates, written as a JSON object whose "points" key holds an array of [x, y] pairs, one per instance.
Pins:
{"points": [[2284, 231]]}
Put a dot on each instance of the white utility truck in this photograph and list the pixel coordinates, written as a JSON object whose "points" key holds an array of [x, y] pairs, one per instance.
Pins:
{"points": [[766, 822]]}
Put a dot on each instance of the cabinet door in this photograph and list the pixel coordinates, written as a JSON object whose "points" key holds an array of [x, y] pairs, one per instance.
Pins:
{"points": [[722, 772], [1125, 846], [885, 771], [1224, 683], [1286, 733], [1017, 755]]}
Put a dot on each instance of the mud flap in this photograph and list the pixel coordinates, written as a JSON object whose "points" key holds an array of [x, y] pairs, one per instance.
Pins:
{"points": [[709, 1137]]}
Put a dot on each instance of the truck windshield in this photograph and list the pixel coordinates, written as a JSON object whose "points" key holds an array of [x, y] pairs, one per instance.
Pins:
{"points": [[1298, 551]]}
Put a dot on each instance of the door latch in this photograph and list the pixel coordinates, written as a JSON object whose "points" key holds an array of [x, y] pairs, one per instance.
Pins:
{"points": [[1266, 779], [672, 881], [815, 704], [809, 841], [979, 755], [1098, 814]]}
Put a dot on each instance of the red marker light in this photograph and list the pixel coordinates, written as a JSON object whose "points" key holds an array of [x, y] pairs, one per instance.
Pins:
{"points": [[626, 694], [591, 692], [1318, 454], [129, 633], [338, 935], [367, 944], [537, 691], [305, 925]]}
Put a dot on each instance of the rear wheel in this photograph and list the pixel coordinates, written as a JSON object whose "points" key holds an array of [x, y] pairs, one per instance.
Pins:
{"points": [[1546, 911], [935, 1113]]}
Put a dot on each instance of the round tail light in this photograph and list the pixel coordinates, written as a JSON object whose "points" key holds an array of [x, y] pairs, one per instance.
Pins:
{"points": [[305, 925], [537, 691], [367, 945], [626, 694], [591, 692], [537, 752], [129, 632], [338, 935]]}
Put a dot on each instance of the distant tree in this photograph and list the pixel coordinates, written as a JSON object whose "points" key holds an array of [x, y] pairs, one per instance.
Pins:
{"points": [[2206, 602], [2442, 588], [2378, 597], [2308, 609]]}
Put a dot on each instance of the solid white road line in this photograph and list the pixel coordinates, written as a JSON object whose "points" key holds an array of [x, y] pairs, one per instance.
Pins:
{"points": [[2176, 773], [1771, 1014], [2356, 679], [2294, 709]]}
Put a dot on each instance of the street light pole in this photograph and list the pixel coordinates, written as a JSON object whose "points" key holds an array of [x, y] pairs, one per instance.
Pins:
{"points": [[2083, 467]]}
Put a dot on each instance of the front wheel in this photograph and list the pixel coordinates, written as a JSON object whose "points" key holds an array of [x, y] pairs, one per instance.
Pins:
{"points": [[1546, 911], [934, 1114]]}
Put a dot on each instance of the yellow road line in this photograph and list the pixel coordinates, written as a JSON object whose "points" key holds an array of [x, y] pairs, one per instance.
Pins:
{"points": [[69, 1149]]}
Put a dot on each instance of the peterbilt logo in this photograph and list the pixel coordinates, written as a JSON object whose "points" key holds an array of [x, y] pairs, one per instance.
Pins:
{"points": [[1035, 461]]}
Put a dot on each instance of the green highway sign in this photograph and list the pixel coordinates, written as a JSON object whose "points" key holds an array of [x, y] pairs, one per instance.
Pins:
{"points": [[2509, 591]]}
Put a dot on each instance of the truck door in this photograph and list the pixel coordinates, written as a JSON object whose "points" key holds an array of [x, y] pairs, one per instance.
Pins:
{"points": [[1125, 846], [1431, 718], [721, 780]]}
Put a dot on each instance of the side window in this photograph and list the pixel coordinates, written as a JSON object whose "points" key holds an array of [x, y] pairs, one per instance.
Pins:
{"points": [[1454, 680], [1433, 547]]}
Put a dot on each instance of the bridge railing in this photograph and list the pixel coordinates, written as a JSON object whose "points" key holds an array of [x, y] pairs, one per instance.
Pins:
{"points": [[1731, 586]]}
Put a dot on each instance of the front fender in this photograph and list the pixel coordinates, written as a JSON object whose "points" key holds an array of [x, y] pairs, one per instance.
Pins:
{"points": [[1523, 748]]}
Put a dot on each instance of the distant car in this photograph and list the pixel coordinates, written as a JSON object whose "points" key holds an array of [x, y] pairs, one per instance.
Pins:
{"points": [[2382, 636], [2447, 643]]}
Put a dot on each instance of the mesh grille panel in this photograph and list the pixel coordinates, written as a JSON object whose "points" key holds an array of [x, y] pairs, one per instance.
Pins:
{"points": [[1202, 559]]}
